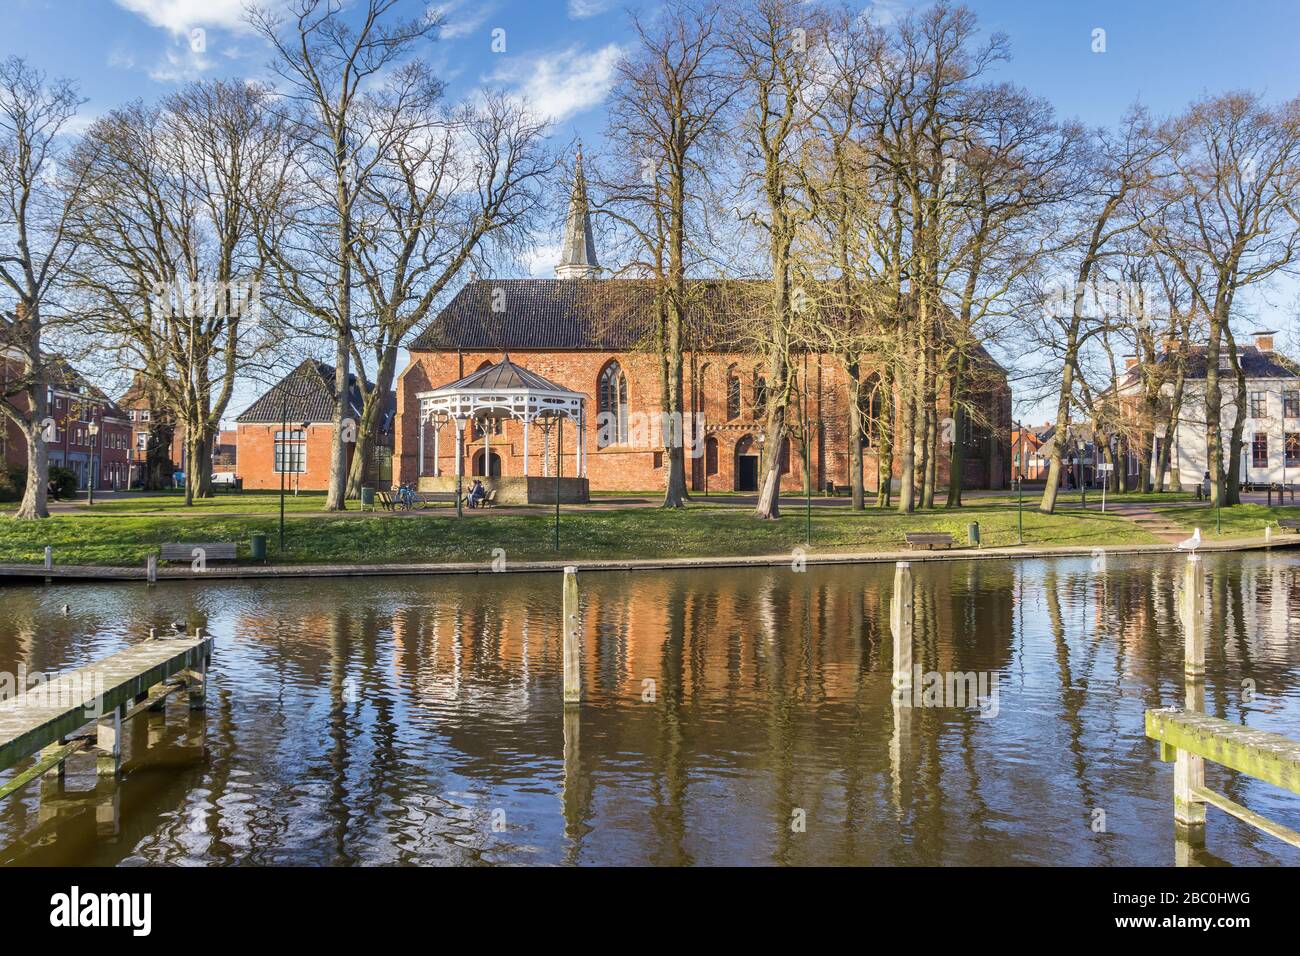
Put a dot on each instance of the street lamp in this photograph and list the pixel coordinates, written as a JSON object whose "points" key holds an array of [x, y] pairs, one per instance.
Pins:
{"points": [[93, 429]]}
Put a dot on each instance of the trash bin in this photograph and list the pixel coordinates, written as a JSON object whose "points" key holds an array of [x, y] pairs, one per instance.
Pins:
{"points": [[257, 546], [973, 533], [367, 498]]}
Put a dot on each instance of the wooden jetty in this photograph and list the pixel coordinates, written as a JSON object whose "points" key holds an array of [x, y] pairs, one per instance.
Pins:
{"points": [[47, 722], [1188, 737]]}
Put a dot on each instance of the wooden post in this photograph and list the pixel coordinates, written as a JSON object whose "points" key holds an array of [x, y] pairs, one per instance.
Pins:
{"points": [[1191, 613], [49, 557], [1189, 769], [108, 743], [900, 625], [151, 569], [572, 654], [198, 685]]}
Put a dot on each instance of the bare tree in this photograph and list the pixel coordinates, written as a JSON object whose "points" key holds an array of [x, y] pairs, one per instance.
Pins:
{"points": [[1226, 220], [770, 43], [450, 188], [170, 264], [665, 117], [327, 54], [36, 195]]}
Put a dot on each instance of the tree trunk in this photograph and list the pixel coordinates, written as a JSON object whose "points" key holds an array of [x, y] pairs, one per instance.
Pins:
{"points": [[334, 499], [674, 425], [35, 494], [855, 435], [955, 451], [885, 440], [906, 444]]}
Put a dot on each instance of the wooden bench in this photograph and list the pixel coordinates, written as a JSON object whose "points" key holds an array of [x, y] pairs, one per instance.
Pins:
{"points": [[212, 551], [1292, 524], [426, 498], [928, 539]]}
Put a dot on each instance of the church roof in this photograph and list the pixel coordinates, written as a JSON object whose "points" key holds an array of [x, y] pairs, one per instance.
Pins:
{"points": [[605, 315]]}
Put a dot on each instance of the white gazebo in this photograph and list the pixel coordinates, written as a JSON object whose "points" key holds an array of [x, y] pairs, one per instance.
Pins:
{"points": [[495, 393]]}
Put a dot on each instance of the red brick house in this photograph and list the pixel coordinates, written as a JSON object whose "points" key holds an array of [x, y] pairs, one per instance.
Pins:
{"points": [[591, 336], [290, 428], [88, 434], [149, 422]]}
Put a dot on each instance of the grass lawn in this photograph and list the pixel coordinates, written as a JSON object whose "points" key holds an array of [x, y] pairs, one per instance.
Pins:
{"points": [[111, 537], [1238, 521]]}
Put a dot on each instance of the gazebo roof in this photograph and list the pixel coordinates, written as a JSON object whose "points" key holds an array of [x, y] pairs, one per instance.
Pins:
{"points": [[503, 390], [504, 376]]}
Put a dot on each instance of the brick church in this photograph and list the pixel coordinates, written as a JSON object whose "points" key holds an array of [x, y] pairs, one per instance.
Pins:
{"points": [[594, 336]]}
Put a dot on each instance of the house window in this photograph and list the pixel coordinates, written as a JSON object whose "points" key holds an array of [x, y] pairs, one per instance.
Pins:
{"points": [[1258, 405], [760, 395], [1259, 450], [733, 393], [1292, 448], [1291, 403], [291, 451], [611, 406]]}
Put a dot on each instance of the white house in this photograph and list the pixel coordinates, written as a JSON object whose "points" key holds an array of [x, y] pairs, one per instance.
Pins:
{"points": [[1271, 437]]}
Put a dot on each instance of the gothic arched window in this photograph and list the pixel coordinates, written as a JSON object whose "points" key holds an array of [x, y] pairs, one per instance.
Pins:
{"points": [[611, 406], [760, 395], [733, 393]]}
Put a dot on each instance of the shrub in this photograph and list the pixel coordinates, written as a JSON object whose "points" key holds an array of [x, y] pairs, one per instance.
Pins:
{"points": [[63, 482]]}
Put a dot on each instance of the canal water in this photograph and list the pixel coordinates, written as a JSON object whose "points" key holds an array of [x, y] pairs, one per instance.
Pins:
{"points": [[730, 716]]}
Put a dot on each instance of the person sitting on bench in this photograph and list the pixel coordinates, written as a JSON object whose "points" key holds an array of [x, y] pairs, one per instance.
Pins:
{"points": [[476, 493]]}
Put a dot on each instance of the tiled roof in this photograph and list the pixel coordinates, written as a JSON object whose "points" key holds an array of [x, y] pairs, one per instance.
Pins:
{"points": [[1254, 363], [593, 314], [504, 376], [307, 395]]}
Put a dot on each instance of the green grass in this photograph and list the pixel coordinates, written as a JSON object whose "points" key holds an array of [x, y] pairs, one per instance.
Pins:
{"points": [[114, 538], [1238, 521]]}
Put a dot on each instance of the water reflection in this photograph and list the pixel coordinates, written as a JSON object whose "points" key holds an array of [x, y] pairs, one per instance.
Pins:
{"points": [[420, 720]]}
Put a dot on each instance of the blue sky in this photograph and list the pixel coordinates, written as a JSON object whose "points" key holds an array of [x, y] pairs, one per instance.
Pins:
{"points": [[560, 54]]}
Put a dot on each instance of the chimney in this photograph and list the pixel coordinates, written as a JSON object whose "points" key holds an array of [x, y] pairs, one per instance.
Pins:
{"points": [[1130, 361], [1169, 343], [1264, 340]]}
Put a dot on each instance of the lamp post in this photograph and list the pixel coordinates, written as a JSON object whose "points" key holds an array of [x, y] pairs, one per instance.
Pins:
{"points": [[93, 429]]}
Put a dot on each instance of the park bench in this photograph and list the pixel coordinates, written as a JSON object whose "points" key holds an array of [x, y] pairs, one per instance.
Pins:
{"points": [[426, 498], [928, 539], [212, 551], [1292, 524]]}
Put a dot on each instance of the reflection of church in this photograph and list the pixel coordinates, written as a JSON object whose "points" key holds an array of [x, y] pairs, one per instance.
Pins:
{"points": [[595, 337]]}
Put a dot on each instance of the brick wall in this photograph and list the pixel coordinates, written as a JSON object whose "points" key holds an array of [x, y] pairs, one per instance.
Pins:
{"points": [[255, 456], [638, 466]]}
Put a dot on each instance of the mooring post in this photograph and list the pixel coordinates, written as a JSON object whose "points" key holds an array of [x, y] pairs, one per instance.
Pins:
{"points": [[151, 569], [900, 625], [198, 684], [49, 557], [1192, 615], [108, 744], [572, 660], [1189, 769]]}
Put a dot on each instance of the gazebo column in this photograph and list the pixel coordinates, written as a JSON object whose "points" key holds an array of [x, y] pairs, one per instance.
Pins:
{"points": [[582, 443], [419, 444], [437, 430], [527, 427], [460, 448], [487, 447]]}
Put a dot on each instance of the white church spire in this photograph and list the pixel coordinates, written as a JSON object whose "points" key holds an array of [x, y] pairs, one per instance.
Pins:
{"points": [[578, 249]]}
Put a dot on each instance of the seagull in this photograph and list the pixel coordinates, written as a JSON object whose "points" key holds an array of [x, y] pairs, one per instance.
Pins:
{"points": [[1192, 543]]}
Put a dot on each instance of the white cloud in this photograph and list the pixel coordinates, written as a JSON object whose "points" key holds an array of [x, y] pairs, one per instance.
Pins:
{"points": [[181, 16], [541, 260], [457, 24], [582, 9], [179, 65], [563, 84]]}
